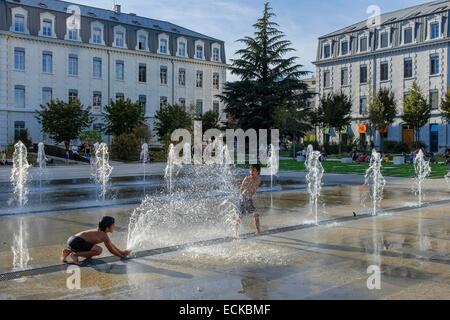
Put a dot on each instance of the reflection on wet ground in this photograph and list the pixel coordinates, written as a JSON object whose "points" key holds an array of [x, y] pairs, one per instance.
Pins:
{"points": [[412, 248]]}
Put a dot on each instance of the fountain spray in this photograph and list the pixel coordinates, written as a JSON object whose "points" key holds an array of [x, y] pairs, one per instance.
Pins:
{"points": [[314, 177], [375, 180], [423, 171], [102, 169], [144, 158]]}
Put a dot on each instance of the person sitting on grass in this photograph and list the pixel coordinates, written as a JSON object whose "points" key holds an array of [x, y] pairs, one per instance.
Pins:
{"points": [[86, 244], [249, 187]]}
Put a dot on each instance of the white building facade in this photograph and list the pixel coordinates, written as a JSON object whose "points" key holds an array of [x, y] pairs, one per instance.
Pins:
{"points": [[51, 49], [392, 52]]}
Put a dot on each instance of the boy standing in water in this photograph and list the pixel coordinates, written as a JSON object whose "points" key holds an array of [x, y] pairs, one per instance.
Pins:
{"points": [[249, 187], [86, 244]]}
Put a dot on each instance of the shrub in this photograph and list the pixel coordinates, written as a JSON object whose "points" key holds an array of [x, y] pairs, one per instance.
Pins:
{"points": [[395, 147], [25, 138]]}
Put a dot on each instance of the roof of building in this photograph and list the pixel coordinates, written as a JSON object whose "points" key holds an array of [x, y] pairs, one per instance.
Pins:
{"points": [[110, 15], [395, 16]]}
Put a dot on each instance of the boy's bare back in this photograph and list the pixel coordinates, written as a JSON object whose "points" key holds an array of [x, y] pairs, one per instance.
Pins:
{"points": [[93, 236]]}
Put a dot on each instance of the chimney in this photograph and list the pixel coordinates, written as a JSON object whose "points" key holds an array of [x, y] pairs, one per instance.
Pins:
{"points": [[116, 8]]}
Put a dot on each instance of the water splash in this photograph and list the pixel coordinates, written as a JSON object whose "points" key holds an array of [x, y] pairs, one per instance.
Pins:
{"points": [[19, 178], [314, 177], [423, 171], [102, 170], [187, 158], [144, 156], [19, 173], [21, 255], [375, 180], [207, 208], [272, 163]]}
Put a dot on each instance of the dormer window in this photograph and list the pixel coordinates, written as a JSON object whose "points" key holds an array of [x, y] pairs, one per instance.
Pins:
{"points": [[408, 35], [182, 49], [142, 43], [47, 27], [327, 51], [344, 47], [384, 39], [120, 39], [97, 36], [19, 23], [216, 52], [73, 34], [363, 44], [163, 46], [97, 33], [199, 50], [434, 30], [163, 40], [142, 40]]}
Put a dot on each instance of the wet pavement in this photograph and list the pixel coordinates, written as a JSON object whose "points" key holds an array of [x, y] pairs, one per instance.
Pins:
{"points": [[292, 260]]}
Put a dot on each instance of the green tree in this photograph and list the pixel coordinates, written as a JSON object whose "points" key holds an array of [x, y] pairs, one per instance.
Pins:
{"points": [[382, 111], [293, 124], [123, 116], [171, 118], [445, 107], [416, 110], [210, 120], [90, 137], [64, 121], [268, 79], [334, 112]]}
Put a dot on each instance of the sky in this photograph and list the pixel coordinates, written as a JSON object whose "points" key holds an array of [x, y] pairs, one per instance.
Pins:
{"points": [[303, 21]]}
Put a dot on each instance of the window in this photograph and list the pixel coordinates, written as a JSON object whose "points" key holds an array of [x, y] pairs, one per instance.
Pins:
{"points": [[216, 81], [120, 97], [47, 95], [19, 23], [73, 65], [199, 79], [47, 27], [384, 40], [163, 75], [363, 44], [163, 46], [120, 39], [19, 59], [142, 72], [73, 34], [434, 64], [182, 49], [434, 30], [384, 71], [97, 68], [216, 108], [344, 47], [344, 77], [19, 96], [408, 68], [143, 103], [363, 74], [199, 52], [182, 102], [97, 36], [97, 101], [327, 51], [120, 66], [162, 102], [73, 95], [199, 107], [142, 42], [216, 54], [434, 99], [19, 128], [326, 79], [182, 77], [362, 105], [47, 62], [408, 35]]}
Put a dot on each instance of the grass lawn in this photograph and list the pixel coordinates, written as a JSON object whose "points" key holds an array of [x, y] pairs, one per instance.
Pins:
{"points": [[389, 169]]}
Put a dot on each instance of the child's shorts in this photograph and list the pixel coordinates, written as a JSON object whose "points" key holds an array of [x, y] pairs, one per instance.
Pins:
{"points": [[248, 208]]}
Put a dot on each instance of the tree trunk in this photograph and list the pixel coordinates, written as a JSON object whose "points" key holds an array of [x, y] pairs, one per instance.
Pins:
{"points": [[340, 142], [381, 143]]}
